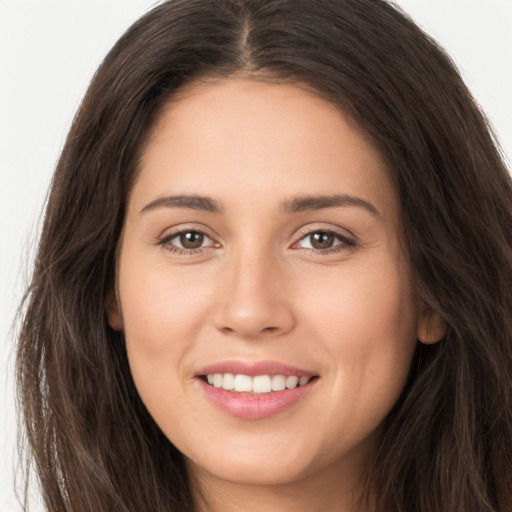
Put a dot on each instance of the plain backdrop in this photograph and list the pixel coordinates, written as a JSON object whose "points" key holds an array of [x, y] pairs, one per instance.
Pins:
{"points": [[49, 50]]}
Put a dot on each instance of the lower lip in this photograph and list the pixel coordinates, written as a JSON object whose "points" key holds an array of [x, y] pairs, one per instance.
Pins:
{"points": [[254, 407]]}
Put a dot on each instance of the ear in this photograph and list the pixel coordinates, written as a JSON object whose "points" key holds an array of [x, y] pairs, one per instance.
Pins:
{"points": [[114, 316], [431, 327]]}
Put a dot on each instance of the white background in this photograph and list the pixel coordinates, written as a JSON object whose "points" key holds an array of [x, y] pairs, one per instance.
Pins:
{"points": [[49, 50]]}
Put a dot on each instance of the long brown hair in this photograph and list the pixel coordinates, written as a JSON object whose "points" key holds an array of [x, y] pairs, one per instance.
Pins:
{"points": [[446, 445]]}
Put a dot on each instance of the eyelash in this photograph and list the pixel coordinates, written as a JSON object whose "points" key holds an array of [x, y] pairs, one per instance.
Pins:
{"points": [[345, 244], [166, 242]]}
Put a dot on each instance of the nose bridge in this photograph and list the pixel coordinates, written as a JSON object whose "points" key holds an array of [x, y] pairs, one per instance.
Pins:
{"points": [[253, 299]]}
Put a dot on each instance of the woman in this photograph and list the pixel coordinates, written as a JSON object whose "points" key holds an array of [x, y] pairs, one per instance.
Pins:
{"points": [[274, 273]]}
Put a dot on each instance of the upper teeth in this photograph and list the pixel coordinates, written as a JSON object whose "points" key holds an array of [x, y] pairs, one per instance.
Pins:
{"points": [[258, 384]]}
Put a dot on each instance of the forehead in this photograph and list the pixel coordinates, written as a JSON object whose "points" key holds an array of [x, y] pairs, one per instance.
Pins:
{"points": [[237, 138]]}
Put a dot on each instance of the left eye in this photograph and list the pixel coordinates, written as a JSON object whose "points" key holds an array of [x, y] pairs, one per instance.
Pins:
{"points": [[322, 240], [188, 240]]}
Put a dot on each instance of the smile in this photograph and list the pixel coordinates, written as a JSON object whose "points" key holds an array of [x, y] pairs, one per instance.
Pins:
{"points": [[258, 384], [257, 390]]}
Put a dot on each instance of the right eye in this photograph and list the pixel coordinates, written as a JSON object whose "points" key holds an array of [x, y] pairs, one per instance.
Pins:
{"points": [[187, 241]]}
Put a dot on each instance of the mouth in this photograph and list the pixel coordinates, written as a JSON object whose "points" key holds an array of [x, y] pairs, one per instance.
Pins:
{"points": [[255, 391], [256, 385]]}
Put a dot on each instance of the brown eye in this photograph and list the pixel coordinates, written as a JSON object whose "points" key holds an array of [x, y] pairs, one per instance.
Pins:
{"points": [[191, 239], [324, 242], [187, 242], [321, 240]]}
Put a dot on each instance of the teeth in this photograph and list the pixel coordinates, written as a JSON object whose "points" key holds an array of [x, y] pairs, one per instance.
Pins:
{"points": [[217, 380], [292, 381], [228, 381], [243, 383], [303, 380], [257, 385], [262, 384], [278, 383]]}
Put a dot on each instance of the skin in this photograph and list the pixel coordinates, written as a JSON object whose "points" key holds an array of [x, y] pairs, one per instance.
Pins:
{"points": [[259, 289]]}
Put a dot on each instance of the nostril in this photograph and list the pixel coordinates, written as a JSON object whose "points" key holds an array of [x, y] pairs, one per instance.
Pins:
{"points": [[253, 320], [230, 330]]}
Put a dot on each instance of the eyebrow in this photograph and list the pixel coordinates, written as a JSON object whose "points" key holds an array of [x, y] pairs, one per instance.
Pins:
{"points": [[306, 203], [201, 203], [295, 205]]}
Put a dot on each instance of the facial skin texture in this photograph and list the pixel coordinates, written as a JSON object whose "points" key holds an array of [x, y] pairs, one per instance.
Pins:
{"points": [[257, 291]]}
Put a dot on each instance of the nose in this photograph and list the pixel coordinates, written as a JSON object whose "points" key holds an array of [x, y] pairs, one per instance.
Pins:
{"points": [[253, 299]]}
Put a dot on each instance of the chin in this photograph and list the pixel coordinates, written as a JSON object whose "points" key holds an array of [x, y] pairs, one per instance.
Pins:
{"points": [[255, 465], [251, 473]]}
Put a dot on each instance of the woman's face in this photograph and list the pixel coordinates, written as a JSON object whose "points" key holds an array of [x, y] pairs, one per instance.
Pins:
{"points": [[262, 247]]}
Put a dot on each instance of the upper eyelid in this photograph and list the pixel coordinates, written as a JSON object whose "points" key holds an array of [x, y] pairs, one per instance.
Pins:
{"points": [[300, 233], [335, 230], [170, 236], [171, 232], [166, 239], [342, 239]]}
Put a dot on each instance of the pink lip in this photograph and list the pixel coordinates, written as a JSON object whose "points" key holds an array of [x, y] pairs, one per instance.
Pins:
{"points": [[256, 368], [248, 406]]}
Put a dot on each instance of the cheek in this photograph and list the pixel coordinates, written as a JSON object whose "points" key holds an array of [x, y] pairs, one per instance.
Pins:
{"points": [[163, 315], [162, 319], [162, 312], [367, 323], [370, 306]]}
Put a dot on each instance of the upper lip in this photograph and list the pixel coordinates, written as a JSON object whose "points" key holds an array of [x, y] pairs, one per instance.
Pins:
{"points": [[255, 368]]}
